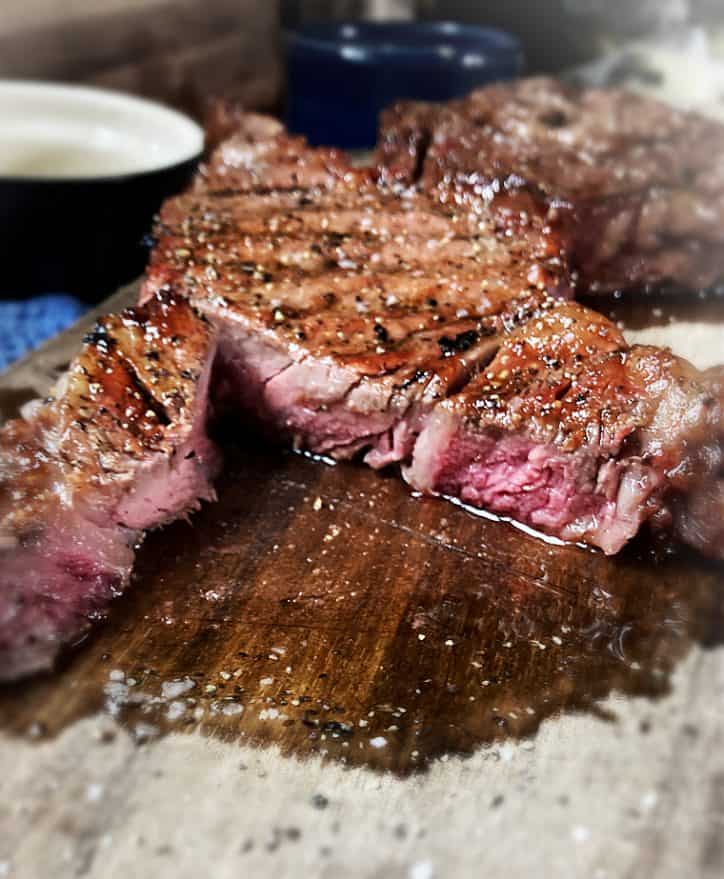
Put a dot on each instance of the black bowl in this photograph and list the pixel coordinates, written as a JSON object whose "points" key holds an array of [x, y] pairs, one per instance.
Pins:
{"points": [[82, 173], [343, 74]]}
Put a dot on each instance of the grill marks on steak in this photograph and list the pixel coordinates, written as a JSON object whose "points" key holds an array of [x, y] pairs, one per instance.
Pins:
{"points": [[345, 315], [634, 188], [346, 310], [364, 211], [120, 447]]}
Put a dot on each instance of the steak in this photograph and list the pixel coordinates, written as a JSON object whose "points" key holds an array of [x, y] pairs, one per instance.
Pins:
{"points": [[575, 433], [258, 155], [119, 447], [634, 188], [698, 515], [410, 328]]}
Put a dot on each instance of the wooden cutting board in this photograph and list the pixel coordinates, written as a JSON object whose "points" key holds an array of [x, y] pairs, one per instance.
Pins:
{"points": [[323, 614]]}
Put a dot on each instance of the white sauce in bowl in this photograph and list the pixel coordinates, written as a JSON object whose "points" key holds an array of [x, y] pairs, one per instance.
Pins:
{"points": [[53, 131]]}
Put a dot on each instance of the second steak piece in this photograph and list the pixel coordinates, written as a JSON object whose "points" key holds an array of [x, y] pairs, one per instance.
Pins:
{"points": [[577, 434], [635, 187]]}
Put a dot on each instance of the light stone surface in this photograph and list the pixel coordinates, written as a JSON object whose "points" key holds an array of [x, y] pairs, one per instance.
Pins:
{"points": [[587, 797]]}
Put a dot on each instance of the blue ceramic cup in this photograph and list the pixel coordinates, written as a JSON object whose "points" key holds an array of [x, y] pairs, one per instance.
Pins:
{"points": [[342, 74]]}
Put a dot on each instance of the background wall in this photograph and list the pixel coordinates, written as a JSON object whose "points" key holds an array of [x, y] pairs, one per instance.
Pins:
{"points": [[556, 34], [176, 50], [183, 50]]}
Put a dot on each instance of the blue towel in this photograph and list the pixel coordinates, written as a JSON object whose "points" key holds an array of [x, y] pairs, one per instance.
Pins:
{"points": [[24, 325]]}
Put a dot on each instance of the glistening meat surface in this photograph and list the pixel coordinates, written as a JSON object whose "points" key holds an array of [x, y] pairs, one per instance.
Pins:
{"points": [[120, 447]]}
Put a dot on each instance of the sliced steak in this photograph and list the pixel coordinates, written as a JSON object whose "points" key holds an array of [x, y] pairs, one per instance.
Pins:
{"points": [[347, 316], [357, 318], [634, 187], [577, 434], [120, 447]]}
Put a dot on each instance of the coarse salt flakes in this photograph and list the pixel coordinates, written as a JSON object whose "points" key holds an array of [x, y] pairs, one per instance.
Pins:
{"points": [[174, 689], [94, 792], [176, 709], [579, 833], [421, 870]]}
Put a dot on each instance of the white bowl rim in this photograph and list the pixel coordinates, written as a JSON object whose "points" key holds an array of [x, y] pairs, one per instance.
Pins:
{"points": [[185, 145]]}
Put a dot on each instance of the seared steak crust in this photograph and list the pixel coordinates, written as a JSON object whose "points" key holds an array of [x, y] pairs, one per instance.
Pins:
{"points": [[118, 448], [634, 187], [344, 315], [572, 431]]}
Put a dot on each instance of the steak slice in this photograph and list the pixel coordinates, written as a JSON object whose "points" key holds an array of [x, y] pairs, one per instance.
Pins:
{"points": [[634, 188], [575, 433], [120, 447]]}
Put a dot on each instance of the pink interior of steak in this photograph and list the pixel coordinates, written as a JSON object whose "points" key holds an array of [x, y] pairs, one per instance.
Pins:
{"points": [[168, 486], [53, 584], [320, 405], [337, 406], [121, 448], [560, 431], [575, 496], [56, 581]]}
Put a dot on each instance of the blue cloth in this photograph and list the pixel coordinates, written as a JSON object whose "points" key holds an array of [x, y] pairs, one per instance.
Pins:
{"points": [[24, 325]]}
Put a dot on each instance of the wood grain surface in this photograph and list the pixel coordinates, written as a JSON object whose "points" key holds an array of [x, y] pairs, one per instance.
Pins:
{"points": [[363, 647]]}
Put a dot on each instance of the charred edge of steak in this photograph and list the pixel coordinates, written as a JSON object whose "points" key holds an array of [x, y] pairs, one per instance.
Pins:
{"points": [[120, 447]]}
